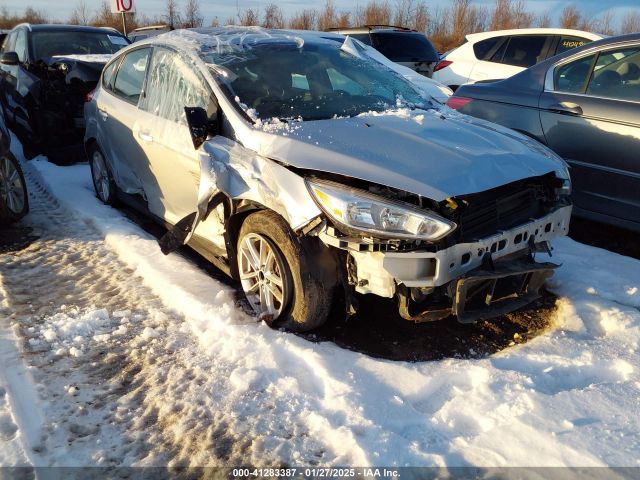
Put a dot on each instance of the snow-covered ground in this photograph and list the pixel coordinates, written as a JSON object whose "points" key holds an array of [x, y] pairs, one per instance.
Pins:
{"points": [[113, 354]]}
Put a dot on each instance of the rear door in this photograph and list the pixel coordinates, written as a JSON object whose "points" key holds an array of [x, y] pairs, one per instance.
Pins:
{"points": [[173, 84], [511, 56], [119, 116], [590, 114]]}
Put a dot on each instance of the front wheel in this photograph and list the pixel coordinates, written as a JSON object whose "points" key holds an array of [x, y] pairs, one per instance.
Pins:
{"points": [[14, 202], [102, 180], [278, 275]]}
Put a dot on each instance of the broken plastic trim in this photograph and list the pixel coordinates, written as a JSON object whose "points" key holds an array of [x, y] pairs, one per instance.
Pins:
{"points": [[484, 294]]}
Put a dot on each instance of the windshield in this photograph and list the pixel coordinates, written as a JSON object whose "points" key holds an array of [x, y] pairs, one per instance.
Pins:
{"points": [[404, 47], [49, 44], [310, 82]]}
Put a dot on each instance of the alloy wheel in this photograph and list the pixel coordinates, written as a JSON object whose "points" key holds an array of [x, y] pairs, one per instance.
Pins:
{"points": [[12, 189], [262, 274], [101, 176]]}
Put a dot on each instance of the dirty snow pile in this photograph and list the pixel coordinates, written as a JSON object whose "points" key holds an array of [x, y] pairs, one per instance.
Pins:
{"points": [[209, 385]]}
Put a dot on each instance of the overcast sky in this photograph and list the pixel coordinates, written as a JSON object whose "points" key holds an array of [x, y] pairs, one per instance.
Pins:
{"points": [[61, 9]]}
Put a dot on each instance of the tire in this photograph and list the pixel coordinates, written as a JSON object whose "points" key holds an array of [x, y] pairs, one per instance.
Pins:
{"points": [[103, 182], [306, 295], [14, 200]]}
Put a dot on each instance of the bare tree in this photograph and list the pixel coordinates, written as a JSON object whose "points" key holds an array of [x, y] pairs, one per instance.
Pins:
{"points": [[192, 16], [376, 12], [603, 24], [172, 14], [630, 23], [570, 17], [344, 20], [215, 22], [304, 20], [273, 17], [80, 14], [249, 17], [420, 18], [31, 15], [104, 17], [508, 14], [230, 21], [327, 18], [543, 20]]}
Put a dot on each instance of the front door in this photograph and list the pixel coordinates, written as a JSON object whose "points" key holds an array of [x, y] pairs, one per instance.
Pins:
{"points": [[590, 115]]}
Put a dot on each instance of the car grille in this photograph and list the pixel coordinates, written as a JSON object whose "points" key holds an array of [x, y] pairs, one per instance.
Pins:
{"points": [[503, 208]]}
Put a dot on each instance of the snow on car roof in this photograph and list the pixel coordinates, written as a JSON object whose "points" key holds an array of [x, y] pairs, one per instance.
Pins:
{"points": [[230, 39]]}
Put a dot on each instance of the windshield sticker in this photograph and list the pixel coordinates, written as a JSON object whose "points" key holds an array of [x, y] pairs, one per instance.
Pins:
{"points": [[117, 40]]}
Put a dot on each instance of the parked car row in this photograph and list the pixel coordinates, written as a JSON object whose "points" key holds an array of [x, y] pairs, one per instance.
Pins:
{"points": [[585, 105], [311, 167], [490, 56]]}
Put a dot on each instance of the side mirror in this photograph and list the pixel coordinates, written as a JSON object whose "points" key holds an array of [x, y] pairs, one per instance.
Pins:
{"points": [[200, 125], [9, 58]]}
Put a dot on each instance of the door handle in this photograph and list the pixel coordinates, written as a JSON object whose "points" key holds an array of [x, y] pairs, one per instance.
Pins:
{"points": [[145, 137], [103, 114], [566, 108]]}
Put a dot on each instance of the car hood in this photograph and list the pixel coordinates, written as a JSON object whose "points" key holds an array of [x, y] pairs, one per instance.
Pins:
{"points": [[437, 153]]}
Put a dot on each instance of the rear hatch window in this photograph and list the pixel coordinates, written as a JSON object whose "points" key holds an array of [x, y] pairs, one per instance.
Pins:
{"points": [[404, 46]]}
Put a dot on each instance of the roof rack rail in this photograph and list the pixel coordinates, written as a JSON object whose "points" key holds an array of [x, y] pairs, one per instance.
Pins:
{"points": [[372, 26]]}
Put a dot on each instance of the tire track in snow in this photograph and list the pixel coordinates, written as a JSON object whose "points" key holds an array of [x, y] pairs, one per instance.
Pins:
{"points": [[99, 341]]}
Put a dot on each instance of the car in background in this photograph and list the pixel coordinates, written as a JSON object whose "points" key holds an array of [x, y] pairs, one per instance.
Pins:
{"points": [[400, 45], [425, 85], [303, 171], [46, 71], [489, 56], [584, 105], [14, 201], [146, 32]]}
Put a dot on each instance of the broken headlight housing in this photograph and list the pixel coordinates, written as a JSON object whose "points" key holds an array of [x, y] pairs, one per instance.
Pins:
{"points": [[375, 215]]}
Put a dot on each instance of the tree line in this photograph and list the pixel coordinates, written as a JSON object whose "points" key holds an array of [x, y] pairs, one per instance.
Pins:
{"points": [[445, 26]]}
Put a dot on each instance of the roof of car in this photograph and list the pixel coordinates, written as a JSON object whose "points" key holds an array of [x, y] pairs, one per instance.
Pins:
{"points": [[236, 36], [474, 37], [373, 28], [45, 27]]}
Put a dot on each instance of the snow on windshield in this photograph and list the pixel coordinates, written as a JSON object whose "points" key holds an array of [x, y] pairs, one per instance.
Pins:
{"points": [[283, 77]]}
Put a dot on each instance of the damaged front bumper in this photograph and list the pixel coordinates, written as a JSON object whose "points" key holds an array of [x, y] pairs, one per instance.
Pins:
{"points": [[462, 271]]}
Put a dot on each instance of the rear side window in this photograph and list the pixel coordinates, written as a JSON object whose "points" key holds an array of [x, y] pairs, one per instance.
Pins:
{"points": [[484, 48], [107, 74], [524, 50], [130, 77], [572, 77], [173, 85], [404, 47], [568, 42]]}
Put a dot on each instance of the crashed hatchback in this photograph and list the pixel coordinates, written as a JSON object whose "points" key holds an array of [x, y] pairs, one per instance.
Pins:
{"points": [[311, 175]]}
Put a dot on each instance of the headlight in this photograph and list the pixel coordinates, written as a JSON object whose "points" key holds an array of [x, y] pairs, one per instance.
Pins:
{"points": [[375, 215]]}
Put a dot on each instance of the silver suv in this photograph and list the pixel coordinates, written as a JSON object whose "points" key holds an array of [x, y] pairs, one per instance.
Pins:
{"points": [[310, 174]]}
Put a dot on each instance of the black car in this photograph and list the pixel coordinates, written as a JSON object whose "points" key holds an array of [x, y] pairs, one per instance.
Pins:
{"points": [[400, 45], [14, 202], [585, 105], [46, 71]]}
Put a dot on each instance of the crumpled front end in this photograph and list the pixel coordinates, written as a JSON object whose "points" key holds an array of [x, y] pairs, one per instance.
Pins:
{"points": [[496, 260]]}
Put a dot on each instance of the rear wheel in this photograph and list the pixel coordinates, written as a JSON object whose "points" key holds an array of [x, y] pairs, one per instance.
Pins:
{"points": [[14, 202], [278, 275], [102, 180]]}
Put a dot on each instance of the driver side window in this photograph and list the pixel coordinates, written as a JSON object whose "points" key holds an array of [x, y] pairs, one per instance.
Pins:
{"points": [[173, 85]]}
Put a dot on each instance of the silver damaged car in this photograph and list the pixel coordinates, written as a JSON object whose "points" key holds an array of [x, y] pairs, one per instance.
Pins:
{"points": [[313, 176]]}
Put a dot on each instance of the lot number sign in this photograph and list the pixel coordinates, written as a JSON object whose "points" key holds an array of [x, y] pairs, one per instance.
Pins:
{"points": [[122, 6]]}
